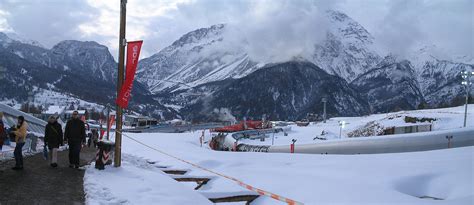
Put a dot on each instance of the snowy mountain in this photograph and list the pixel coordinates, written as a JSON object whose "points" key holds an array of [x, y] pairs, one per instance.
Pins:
{"points": [[196, 58], [439, 78], [206, 55], [73, 69], [348, 50], [288, 90], [88, 57], [211, 69], [392, 85]]}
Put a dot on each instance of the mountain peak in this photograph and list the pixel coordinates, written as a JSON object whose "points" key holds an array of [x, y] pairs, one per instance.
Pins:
{"points": [[198, 35], [338, 15], [10, 37], [79, 44]]}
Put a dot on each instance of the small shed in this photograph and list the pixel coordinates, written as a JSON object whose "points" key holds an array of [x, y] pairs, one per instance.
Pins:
{"points": [[139, 121], [419, 127]]}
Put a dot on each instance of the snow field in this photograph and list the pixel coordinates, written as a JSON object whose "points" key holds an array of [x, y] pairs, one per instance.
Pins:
{"points": [[313, 179], [397, 178]]}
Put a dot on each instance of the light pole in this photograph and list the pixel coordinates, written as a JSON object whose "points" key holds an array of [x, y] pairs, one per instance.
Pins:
{"points": [[466, 75], [342, 124], [325, 100]]}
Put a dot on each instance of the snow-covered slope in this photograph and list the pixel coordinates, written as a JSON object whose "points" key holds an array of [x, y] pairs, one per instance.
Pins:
{"points": [[198, 57], [348, 50], [440, 78], [392, 85], [206, 55]]}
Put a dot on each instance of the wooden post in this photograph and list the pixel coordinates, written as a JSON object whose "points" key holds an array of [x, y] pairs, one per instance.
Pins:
{"points": [[120, 75]]}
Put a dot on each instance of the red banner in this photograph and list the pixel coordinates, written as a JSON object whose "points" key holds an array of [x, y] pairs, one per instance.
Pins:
{"points": [[133, 52]]}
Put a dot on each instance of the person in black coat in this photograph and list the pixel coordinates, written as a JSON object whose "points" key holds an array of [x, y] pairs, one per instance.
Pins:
{"points": [[75, 135], [53, 138]]}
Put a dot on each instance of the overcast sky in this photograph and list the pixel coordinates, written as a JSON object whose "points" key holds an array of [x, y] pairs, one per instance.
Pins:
{"points": [[396, 24]]}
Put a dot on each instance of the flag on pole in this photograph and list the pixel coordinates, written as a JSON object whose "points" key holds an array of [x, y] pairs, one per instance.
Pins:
{"points": [[133, 53], [111, 122]]}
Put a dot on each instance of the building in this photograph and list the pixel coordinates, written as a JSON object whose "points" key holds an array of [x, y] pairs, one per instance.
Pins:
{"points": [[52, 110], [67, 114], [139, 121], [419, 127], [10, 115]]}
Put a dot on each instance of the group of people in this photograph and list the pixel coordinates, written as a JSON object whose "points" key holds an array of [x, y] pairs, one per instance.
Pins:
{"points": [[17, 132], [74, 135]]}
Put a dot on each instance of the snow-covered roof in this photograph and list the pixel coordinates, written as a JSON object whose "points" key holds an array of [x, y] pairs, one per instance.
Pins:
{"points": [[135, 116], [81, 112], [54, 109]]}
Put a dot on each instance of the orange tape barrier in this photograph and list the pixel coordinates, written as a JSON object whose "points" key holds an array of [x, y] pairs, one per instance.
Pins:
{"points": [[240, 183]]}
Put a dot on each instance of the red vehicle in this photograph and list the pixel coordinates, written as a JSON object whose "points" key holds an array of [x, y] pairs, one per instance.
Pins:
{"points": [[243, 125]]}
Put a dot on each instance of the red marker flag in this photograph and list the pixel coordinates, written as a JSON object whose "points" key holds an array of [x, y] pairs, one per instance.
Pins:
{"points": [[133, 52]]}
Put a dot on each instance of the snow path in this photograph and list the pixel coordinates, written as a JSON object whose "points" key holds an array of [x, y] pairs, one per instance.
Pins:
{"points": [[136, 182]]}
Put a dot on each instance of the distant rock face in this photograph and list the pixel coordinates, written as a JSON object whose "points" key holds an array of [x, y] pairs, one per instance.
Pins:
{"points": [[283, 91], [90, 58], [440, 81], [87, 57], [391, 86]]}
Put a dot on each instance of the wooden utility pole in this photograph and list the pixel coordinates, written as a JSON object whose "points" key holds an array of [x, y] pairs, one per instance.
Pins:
{"points": [[120, 75]]}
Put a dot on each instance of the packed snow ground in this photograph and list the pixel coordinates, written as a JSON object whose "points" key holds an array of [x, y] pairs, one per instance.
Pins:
{"points": [[399, 178], [312, 179], [446, 118]]}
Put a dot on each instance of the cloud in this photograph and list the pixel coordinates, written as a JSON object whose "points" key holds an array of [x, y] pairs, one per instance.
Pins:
{"points": [[402, 26], [278, 31], [270, 25], [46, 21]]}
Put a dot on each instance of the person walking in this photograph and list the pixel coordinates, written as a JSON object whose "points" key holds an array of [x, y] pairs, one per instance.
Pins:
{"points": [[53, 138], [95, 137], [20, 136], [75, 135], [3, 133]]}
